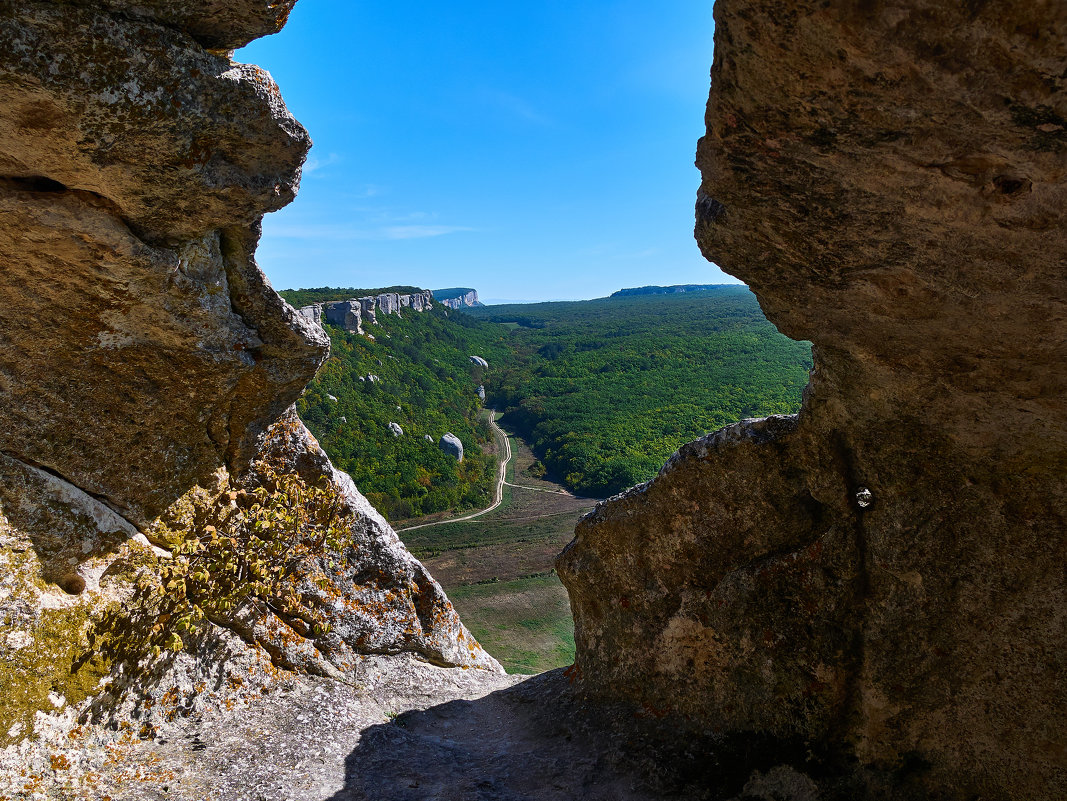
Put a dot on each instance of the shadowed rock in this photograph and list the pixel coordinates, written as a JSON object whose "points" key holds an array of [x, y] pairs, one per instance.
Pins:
{"points": [[884, 575]]}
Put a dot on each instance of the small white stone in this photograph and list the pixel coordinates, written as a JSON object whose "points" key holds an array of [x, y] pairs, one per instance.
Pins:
{"points": [[56, 700], [15, 730]]}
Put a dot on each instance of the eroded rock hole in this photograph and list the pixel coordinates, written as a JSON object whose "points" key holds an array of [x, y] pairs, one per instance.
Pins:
{"points": [[34, 183], [71, 584]]}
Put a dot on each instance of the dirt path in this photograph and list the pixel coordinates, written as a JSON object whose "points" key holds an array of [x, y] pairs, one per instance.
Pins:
{"points": [[499, 495]]}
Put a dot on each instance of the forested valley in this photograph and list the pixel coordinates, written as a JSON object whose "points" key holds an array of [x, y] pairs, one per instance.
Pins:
{"points": [[603, 390]]}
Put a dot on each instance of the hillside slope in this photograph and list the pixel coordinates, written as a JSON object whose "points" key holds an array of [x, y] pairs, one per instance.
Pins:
{"points": [[416, 373], [605, 390]]}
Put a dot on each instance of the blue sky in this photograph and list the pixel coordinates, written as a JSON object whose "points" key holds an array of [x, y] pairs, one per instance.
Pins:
{"points": [[533, 151]]}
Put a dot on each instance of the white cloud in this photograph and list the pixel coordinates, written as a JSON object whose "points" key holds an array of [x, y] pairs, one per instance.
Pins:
{"points": [[421, 231], [314, 163], [343, 232], [516, 106]]}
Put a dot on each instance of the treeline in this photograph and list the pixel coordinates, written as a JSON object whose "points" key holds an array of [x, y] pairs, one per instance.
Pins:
{"points": [[305, 297], [416, 372], [606, 390]]}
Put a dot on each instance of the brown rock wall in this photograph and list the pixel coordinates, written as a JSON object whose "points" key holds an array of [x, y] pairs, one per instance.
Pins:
{"points": [[890, 180]]}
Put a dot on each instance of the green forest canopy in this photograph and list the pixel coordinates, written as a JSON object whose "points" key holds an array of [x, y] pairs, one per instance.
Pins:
{"points": [[604, 390]]}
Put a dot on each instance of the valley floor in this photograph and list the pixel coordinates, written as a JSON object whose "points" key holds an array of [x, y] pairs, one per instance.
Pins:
{"points": [[497, 568]]}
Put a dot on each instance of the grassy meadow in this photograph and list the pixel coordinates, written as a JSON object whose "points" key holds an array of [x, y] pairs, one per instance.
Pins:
{"points": [[497, 569]]}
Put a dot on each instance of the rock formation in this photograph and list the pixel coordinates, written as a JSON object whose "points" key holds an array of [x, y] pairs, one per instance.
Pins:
{"points": [[345, 314], [881, 579], [452, 445], [457, 298], [146, 369], [350, 314], [396, 430], [479, 361]]}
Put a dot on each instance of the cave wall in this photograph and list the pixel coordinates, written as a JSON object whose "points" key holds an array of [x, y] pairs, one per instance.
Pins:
{"points": [[883, 577], [146, 372]]}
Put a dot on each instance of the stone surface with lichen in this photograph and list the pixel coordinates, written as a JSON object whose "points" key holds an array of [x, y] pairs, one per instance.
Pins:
{"points": [[147, 368]]}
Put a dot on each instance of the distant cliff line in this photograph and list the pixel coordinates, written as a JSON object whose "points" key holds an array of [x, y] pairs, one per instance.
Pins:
{"points": [[665, 290], [457, 297], [352, 313]]}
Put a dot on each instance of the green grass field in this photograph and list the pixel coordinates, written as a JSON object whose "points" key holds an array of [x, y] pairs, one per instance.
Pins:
{"points": [[525, 623]]}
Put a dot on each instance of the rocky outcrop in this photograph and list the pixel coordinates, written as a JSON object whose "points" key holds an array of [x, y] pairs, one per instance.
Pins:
{"points": [[880, 579], [457, 298], [478, 361], [165, 523], [215, 24], [366, 310], [452, 445], [346, 314], [169, 327], [350, 314], [481, 392], [388, 303], [396, 430]]}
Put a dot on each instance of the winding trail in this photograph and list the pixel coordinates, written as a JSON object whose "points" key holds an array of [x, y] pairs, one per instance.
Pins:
{"points": [[499, 496]]}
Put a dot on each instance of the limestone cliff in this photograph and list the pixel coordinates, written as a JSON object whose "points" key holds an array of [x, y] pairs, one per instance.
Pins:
{"points": [[881, 579], [351, 314], [457, 298], [149, 468]]}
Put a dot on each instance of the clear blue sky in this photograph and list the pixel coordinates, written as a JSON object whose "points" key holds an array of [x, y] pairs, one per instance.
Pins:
{"points": [[530, 150]]}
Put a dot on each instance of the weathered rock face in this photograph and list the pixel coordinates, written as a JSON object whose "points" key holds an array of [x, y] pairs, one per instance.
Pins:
{"points": [[350, 314], [216, 24], [366, 310], [169, 329], [455, 299], [346, 314], [223, 147], [389, 303], [146, 369], [884, 576]]}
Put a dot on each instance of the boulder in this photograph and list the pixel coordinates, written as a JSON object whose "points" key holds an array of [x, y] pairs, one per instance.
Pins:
{"points": [[451, 444], [396, 430], [880, 579], [479, 361], [481, 392]]}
